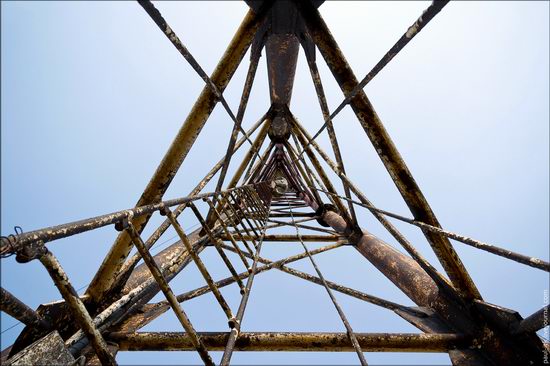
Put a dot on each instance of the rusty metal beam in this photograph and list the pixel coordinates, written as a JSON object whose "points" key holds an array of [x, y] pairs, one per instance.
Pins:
{"points": [[292, 342], [179, 149], [384, 146], [16, 308], [76, 306], [320, 171], [535, 321], [254, 59], [293, 238]]}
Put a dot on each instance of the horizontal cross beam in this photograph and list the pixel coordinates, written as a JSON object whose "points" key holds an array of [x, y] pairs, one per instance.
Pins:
{"points": [[282, 341]]}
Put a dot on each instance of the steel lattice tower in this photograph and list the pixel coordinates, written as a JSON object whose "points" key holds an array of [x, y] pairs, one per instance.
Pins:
{"points": [[280, 182]]}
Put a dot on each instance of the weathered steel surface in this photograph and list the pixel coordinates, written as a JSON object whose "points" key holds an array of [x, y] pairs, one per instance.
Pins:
{"points": [[49, 350], [535, 321], [17, 309], [294, 238], [384, 146], [306, 342], [77, 307]]}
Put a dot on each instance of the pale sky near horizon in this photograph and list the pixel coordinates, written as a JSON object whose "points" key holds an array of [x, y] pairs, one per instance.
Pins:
{"points": [[93, 94]]}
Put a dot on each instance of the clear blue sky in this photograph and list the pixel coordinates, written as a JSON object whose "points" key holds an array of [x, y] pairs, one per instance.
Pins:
{"points": [[93, 93]]}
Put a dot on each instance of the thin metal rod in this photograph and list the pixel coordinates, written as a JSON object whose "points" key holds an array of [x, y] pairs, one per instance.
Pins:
{"points": [[78, 310], [520, 258], [170, 297], [330, 128], [320, 171], [426, 266], [350, 333], [16, 308], [296, 238], [255, 58], [235, 221], [76, 227], [278, 223]]}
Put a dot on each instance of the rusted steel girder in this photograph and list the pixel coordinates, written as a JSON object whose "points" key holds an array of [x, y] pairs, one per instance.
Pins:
{"points": [[293, 238], [16, 308], [384, 146], [179, 149], [535, 321], [76, 306], [291, 342]]}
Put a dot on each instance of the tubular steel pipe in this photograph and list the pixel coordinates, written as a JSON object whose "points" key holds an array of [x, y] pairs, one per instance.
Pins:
{"points": [[413, 30], [535, 321], [179, 148], [330, 128], [16, 308], [296, 238], [159, 20], [410, 278], [388, 153], [78, 310], [292, 342], [141, 288]]}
